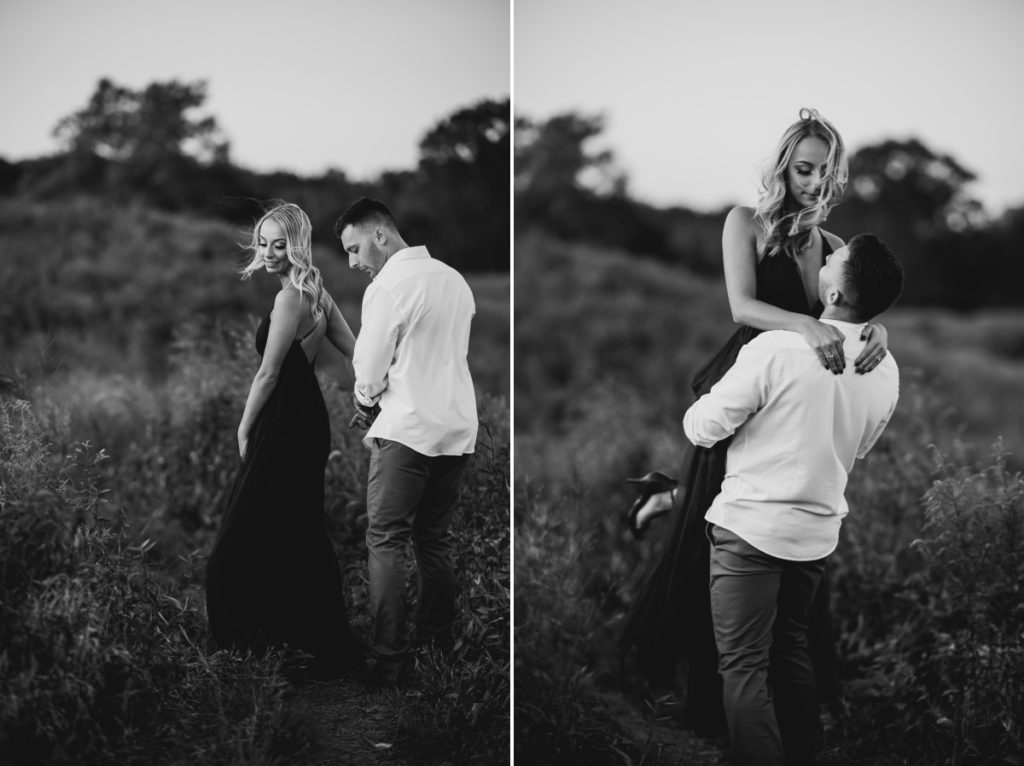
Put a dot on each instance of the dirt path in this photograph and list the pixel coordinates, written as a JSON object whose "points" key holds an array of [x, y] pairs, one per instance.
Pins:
{"points": [[348, 723], [661, 740], [345, 723]]}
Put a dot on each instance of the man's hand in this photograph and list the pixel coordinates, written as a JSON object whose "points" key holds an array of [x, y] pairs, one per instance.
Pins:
{"points": [[364, 416]]}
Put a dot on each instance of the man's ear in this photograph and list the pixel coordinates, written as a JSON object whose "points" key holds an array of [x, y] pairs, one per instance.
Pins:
{"points": [[833, 297], [380, 236]]}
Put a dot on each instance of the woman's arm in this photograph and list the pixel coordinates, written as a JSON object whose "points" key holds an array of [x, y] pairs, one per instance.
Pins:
{"points": [[284, 322], [338, 332], [874, 350], [739, 260]]}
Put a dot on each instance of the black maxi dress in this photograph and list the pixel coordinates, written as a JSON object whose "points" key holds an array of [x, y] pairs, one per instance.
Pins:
{"points": [[273, 578], [671, 617]]}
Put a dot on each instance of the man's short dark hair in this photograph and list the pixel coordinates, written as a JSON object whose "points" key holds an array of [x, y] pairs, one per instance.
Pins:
{"points": [[872, 277], [364, 210]]}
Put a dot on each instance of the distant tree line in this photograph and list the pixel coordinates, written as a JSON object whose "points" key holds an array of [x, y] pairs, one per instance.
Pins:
{"points": [[151, 146], [916, 200]]}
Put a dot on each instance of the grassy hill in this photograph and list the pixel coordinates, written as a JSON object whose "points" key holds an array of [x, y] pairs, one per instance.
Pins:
{"points": [[606, 345], [90, 286], [127, 355], [929, 561]]}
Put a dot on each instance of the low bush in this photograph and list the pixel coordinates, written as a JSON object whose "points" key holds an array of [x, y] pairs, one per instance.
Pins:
{"points": [[172, 458], [100, 663], [944, 680], [558, 720], [926, 578]]}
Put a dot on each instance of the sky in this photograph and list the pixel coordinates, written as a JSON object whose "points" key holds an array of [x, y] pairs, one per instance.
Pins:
{"points": [[696, 93], [302, 85]]}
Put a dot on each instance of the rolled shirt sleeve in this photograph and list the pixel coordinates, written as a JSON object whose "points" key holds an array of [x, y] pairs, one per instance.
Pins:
{"points": [[741, 392], [796, 430], [375, 345]]}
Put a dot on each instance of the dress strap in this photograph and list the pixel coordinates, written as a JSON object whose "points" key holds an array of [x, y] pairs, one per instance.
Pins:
{"points": [[316, 325]]}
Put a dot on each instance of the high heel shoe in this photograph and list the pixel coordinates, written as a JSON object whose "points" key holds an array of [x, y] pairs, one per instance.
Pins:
{"points": [[650, 484]]}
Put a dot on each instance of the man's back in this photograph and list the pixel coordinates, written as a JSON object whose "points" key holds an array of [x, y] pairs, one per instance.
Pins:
{"points": [[421, 310], [798, 430]]}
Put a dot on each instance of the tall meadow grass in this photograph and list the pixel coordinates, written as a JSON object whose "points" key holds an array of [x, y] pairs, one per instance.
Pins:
{"points": [[926, 579], [100, 662], [171, 460], [132, 337]]}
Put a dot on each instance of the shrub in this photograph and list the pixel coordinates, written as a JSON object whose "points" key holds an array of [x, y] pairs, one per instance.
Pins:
{"points": [[946, 683], [558, 720], [174, 460], [165, 413], [100, 662], [599, 397]]}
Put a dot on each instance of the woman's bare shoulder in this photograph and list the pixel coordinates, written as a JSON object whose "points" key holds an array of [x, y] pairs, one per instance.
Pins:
{"points": [[740, 221], [288, 296], [741, 230], [291, 301], [741, 215]]}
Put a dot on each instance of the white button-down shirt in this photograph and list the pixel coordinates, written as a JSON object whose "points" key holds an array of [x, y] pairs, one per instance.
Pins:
{"points": [[798, 431], [410, 355]]}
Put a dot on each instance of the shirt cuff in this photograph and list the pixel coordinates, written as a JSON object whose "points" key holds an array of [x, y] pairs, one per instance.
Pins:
{"points": [[691, 425], [365, 400]]}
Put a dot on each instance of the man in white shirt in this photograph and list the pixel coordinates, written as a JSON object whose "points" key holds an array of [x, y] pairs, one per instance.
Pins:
{"points": [[798, 429], [410, 362]]}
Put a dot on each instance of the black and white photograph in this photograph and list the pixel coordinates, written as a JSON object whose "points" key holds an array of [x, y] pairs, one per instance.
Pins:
{"points": [[768, 355], [255, 372], [478, 382]]}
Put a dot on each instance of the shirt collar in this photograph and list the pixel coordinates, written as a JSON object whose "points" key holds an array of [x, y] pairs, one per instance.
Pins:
{"points": [[849, 327], [416, 252]]}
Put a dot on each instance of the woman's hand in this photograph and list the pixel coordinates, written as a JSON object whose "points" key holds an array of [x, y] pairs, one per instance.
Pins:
{"points": [[243, 442], [364, 416], [874, 352], [827, 342]]}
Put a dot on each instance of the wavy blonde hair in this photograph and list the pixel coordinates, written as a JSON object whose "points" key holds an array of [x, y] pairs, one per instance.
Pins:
{"points": [[789, 232], [298, 232]]}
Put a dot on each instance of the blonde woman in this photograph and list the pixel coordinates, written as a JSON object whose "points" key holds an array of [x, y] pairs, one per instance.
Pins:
{"points": [[273, 578], [771, 255]]}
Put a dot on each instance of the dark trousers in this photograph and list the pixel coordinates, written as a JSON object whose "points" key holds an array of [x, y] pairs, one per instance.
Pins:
{"points": [[410, 497], [760, 606]]}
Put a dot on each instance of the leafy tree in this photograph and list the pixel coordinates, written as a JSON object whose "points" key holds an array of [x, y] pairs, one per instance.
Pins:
{"points": [[459, 199], [156, 146], [477, 136], [553, 158], [566, 187], [144, 126], [148, 143], [918, 202], [555, 172], [911, 182]]}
